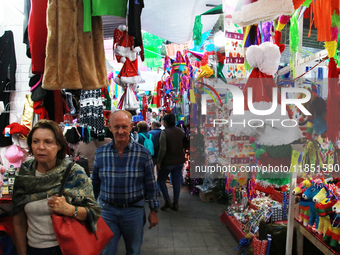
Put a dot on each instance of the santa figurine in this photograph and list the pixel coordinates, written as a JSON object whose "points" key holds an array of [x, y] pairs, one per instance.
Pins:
{"points": [[272, 133]]}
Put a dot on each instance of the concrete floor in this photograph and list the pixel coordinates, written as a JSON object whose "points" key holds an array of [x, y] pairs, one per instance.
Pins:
{"points": [[194, 230]]}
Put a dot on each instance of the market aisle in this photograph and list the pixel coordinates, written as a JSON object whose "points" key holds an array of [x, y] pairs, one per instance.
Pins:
{"points": [[194, 230]]}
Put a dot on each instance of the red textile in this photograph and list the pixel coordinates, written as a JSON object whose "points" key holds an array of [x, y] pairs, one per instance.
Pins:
{"points": [[6, 224], [40, 109], [141, 53], [145, 107], [58, 106], [277, 39], [16, 128], [268, 190], [37, 34], [260, 247], [158, 96], [333, 102]]}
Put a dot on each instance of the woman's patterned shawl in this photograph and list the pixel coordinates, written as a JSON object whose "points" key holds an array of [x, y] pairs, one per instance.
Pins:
{"points": [[78, 189]]}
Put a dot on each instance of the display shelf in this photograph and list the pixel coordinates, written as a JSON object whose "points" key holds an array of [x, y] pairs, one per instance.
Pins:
{"points": [[275, 195], [233, 225], [6, 198], [314, 238]]}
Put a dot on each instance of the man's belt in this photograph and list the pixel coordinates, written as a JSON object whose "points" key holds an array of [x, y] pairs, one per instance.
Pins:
{"points": [[131, 204]]}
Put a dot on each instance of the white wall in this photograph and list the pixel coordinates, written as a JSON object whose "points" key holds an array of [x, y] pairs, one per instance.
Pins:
{"points": [[11, 18]]}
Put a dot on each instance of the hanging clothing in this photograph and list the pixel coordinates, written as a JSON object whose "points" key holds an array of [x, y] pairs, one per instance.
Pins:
{"points": [[4, 118], [74, 59], [4, 121], [5, 96], [117, 8], [8, 63], [27, 10], [91, 112], [37, 34], [27, 113], [134, 23]]}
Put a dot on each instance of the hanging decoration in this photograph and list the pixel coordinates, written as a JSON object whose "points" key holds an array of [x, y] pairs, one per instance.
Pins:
{"points": [[123, 45], [153, 49], [197, 31], [265, 60], [312, 156], [176, 81], [294, 39], [333, 86], [128, 77], [234, 51], [252, 12]]}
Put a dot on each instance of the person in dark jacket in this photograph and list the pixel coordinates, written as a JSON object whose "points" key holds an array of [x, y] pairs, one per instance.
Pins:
{"points": [[156, 132], [170, 160]]}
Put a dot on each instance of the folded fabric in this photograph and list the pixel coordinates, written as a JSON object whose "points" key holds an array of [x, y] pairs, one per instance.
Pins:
{"points": [[16, 128], [35, 80], [38, 93], [37, 83]]}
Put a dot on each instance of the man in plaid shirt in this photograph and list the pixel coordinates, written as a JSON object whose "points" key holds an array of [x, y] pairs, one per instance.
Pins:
{"points": [[122, 173]]}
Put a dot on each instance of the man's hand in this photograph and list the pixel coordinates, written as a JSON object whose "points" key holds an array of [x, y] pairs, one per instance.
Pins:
{"points": [[153, 219]]}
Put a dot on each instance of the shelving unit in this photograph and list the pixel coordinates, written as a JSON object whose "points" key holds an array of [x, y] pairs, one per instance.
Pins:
{"points": [[315, 239]]}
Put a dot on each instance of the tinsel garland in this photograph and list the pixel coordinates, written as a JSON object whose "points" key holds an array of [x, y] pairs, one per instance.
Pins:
{"points": [[197, 31], [271, 155], [294, 38], [247, 67], [273, 182], [193, 183], [280, 151]]}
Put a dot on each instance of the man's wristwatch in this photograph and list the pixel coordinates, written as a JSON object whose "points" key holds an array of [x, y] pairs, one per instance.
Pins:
{"points": [[154, 210], [75, 214]]}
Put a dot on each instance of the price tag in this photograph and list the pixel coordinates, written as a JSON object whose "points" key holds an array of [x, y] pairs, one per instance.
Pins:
{"points": [[7, 132]]}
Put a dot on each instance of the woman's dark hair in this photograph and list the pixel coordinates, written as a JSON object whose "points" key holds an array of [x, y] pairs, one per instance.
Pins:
{"points": [[170, 119], [58, 134]]}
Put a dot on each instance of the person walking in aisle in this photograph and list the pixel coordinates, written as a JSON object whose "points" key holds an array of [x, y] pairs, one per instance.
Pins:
{"points": [[155, 133], [122, 172], [170, 160], [142, 132]]}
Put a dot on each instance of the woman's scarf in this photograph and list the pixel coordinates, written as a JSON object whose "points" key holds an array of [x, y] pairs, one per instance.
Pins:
{"points": [[78, 189]]}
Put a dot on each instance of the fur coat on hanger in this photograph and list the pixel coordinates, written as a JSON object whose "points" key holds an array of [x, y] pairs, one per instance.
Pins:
{"points": [[74, 59]]}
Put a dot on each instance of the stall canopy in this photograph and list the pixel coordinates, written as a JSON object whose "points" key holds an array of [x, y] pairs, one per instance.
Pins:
{"points": [[171, 20]]}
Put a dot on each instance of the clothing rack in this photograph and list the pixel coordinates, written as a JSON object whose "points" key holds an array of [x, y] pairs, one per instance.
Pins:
{"points": [[84, 135], [8, 90]]}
